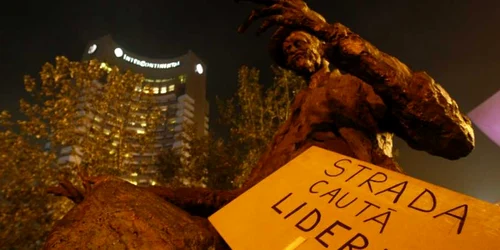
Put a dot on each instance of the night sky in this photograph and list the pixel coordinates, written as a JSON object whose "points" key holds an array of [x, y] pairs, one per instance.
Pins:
{"points": [[456, 42]]}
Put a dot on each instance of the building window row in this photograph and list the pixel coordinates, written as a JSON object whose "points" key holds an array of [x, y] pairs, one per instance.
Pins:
{"points": [[156, 90], [159, 80], [161, 89], [182, 79]]}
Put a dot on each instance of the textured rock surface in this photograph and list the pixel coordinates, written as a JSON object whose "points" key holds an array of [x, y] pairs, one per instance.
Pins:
{"points": [[119, 215]]}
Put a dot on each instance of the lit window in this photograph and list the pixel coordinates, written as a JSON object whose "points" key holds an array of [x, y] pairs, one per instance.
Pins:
{"points": [[138, 89], [107, 132], [156, 90], [105, 67], [171, 120], [163, 90], [143, 124], [182, 78], [164, 108], [171, 88], [141, 131], [146, 90], [97, 119]]}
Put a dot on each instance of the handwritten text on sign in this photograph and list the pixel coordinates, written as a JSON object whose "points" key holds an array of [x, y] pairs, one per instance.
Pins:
{"points": [[337, 202]]}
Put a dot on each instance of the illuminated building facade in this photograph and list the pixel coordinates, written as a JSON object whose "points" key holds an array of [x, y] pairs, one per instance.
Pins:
{"points": [[179, 85]]}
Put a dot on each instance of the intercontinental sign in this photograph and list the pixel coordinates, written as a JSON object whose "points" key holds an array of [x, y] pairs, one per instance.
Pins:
{"points": [[145, 64]]}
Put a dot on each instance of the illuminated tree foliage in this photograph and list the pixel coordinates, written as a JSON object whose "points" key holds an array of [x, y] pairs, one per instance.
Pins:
{"points": [[205, 161], [93, 113], [26, 211], [253, 115]]}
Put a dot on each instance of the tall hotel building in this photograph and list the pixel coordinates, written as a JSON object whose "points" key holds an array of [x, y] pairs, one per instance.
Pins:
{"points": [[179, 85]]}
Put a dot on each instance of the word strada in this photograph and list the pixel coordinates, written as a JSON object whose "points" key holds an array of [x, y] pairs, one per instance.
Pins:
{"points": [[425, 201], [324, 200]]}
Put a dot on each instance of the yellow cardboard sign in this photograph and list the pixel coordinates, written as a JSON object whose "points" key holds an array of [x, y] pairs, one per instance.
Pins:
{"points": [[325, 200]]}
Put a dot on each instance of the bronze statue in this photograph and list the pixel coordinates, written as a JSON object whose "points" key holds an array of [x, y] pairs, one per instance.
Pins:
{"points": [[357, 98], [388, 96]]}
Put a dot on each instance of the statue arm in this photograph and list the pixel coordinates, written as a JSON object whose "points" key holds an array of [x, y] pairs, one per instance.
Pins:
{"points": [[421, 111]]}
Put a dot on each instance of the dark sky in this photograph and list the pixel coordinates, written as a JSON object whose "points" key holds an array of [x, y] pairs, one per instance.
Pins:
{"points": [[456, 42]]}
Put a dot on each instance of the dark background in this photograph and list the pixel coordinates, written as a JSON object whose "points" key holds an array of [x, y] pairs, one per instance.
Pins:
{"points": [[456, 42]]}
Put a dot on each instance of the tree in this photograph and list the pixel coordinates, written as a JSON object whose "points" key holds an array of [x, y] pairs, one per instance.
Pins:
{"points": [[206, 161], [254, 114], [95, 114], [26, 211]]}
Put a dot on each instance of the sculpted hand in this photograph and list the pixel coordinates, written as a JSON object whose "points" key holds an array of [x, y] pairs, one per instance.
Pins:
{"points": [[293, 14]]}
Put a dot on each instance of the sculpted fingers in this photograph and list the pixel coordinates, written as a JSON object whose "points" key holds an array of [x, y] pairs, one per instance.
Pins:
{"points": [[266, 24], [271, 15]]}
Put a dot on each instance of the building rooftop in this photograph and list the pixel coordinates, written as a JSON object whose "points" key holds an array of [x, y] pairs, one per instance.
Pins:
{"points": [[106, 49]]}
